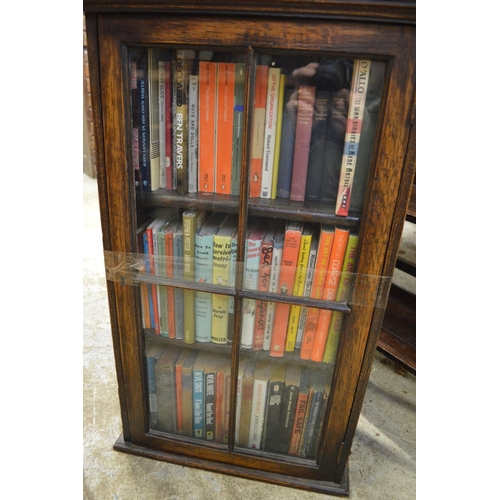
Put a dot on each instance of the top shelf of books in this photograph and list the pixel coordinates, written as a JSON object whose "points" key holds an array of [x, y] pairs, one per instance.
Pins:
{"points": [[295, 133]]}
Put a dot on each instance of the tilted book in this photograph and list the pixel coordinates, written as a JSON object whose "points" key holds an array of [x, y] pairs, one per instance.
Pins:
{"points": [[305, 108], [359, 87], [224, 129], [342, 296], [329, 292], [239, 103], [273, 85], [258, 130]]}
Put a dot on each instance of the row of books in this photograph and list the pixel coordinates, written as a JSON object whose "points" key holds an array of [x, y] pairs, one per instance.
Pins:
{"points": [[293, 258], [310, 132], [279, 406]]}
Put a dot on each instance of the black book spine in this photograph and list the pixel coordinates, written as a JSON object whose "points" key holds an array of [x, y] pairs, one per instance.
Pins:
{"points": [[144, 153], [286, 419], [273, 412]]}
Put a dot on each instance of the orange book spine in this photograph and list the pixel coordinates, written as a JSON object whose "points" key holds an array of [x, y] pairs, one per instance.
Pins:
{"points": [[324, 251], [178, 396], [289, 260], [219, 406], [206, 133], [169, 269], [329, 292], [258, 129], [225, 111]]}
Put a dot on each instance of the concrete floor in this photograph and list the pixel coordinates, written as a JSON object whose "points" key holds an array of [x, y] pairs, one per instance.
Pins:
{"points": [[382, 465]]}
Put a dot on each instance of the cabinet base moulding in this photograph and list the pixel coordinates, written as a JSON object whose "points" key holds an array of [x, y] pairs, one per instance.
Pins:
{"points": [[316, 485]]}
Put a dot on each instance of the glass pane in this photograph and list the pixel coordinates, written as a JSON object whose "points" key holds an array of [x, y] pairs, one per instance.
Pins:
{"points": [[314, 122]]}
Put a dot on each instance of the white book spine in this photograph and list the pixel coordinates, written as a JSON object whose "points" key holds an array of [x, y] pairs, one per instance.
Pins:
{"points": [[273, 288]]}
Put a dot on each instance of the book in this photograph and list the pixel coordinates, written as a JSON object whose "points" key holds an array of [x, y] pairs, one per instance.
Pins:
{"points": [[143, 287], [253, 244], [183, 68], [153, 353], [259, 403], [210, 375], [232, 283], [169, 230], [288, 267], [245, 405], [178, 265], [342, 296], [221, 274], [273, 283], [266, 257], [258, 130], [206, 133], [203, 265], [277, 144], [154, 120], [168, 124], [300, 412], [367, 139], [184, 391], [199, 394], [192, 220], [271, 116], [288, 408], [357, 101], [335, 263], [324, 250], [311, 265], [305, 108], [287, 144], [298, 287], [334, 146], [193, 134], [165, 389], [274, 401], [239, 106], [135, 111], [239, 392], [163, 111], [144, 130], [226, 73], [223, 398], [318, 396], [318, 144]]}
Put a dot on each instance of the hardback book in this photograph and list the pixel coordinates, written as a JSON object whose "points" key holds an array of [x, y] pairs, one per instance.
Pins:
{"points": [[311, 265], [239, 103], [245, 411], [360, 78], [222, 398], [317, 425], [199, 394], [258, 130], [266, 259], [288, 408], [287, 144], [232, 283], [192, 220], [178, 264], [147, 248], [144, 130], [318, 143], [239, 391], [193, 134], [162, 108], [135, 112], [168, 124], [334, 146], [226, 73], [305, 108], [342, 296], [184, 60], [154, 120], [274, 401], [298, 287], [329, 292], [289, 261], [210, 376], [367, 139], [253, 244], [165, 389], [300, 412], [143, 286], [277, 145], [273, 283], [271, 120], [169, 231], [153, 353], [184, 391], [259, 404], [307, 415], [207, 121], [204, 251], [324, 250], [221, 273]]}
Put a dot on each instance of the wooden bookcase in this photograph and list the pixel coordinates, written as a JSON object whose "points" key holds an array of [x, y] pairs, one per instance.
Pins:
{"points": [[382, 32]]}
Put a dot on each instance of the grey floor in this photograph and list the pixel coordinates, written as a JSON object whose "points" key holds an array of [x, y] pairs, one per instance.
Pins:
{"points": [[383, 457]]}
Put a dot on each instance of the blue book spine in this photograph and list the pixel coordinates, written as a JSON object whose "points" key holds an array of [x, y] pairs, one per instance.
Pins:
{"points": [[178, 292], [198, 403]]}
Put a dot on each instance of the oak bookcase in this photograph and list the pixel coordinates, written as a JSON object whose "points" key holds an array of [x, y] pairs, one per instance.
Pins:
{"points": [[290, 35]]}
